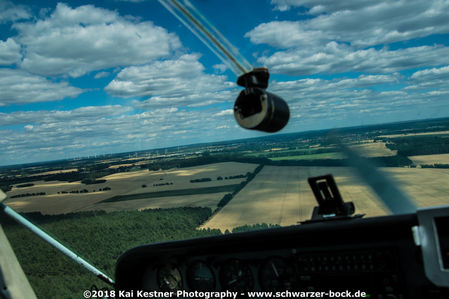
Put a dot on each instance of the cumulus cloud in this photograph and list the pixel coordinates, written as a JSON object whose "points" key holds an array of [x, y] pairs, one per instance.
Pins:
{"points": [[432, 74], [9, 52], [78, 40], [338, 58], [10, 12], [321, 6], [366, 23], [103, 129], [220, 67], [434, 78], [284, 34], [101, 75], [342, 36], [175, 101], [226, 112], [179, 81], [53, 116], [313, 103], [20, 87], [365, 98]]}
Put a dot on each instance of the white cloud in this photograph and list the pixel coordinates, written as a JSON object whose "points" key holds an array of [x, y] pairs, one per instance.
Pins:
{"points": [[103, 129], [101, 75], [321, 6], [9, 52], [284, 34], [220, 67], [335, 37], [49, 117], [337, 58], [367, 80], [314, 103], [434, 78], [431, 74], [348, 101], [226, 112], [367, 23], [343, 36], [10, 12], [78, 40], [177, 82], [20, 87]]}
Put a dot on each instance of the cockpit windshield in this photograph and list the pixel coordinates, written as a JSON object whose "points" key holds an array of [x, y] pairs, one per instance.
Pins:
{"points": [[118, 126]]}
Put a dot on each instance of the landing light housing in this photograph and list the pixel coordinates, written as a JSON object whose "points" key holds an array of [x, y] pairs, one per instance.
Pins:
{"points": [[257, 109]]}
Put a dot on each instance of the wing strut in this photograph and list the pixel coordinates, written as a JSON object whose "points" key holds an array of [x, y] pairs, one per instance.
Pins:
{"points": [[188, 15], [46, 237]]}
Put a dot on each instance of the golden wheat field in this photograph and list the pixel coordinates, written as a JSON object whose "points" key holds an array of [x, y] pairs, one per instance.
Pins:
{"points": [[281, 195], [430, 159], [277, 195], [373, 149], [126, 183], [415, 134]]}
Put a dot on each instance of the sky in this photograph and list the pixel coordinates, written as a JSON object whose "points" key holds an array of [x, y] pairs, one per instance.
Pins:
{"points": [[79, 79]]}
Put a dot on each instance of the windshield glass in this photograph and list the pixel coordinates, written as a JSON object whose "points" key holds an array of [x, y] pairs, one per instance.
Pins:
{"points": [[117, 122]]}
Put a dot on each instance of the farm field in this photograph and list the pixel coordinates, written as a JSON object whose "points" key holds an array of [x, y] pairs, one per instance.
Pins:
{"points": [[55, 171], [415, 134], [281, 195], [426, 186], [373, 149], [127, 183], [332, 155], [430, 159], [197, 200], [366, 148]]}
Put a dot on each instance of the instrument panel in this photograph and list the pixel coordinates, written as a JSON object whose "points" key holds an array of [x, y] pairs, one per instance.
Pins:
{"points": [[376, 255], [281, 270]]}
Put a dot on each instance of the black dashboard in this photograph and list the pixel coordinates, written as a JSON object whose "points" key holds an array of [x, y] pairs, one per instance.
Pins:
{"points": [[379, 256]]}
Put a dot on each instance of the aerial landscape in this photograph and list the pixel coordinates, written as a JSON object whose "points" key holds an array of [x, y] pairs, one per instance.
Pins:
{"points": [[214, 188], [117, 124], [275, 169]]}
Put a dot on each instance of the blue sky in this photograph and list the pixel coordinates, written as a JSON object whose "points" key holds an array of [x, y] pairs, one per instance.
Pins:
{"points": [[79, 79]]}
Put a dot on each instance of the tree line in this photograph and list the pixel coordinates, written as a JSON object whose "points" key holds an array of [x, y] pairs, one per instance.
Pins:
{"points": [[28, 194], [229, 196], [419, 145]]}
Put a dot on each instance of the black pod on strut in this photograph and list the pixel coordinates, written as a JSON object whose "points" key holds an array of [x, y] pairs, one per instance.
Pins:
{"points": [[257, 109]]}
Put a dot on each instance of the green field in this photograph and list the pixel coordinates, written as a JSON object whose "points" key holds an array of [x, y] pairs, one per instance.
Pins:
{"points": [[179, 192]]}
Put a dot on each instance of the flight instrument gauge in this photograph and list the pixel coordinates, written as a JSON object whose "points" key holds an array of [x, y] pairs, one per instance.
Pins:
{"points": [[276, 275], [235, 275], [169, 278], [200, 277]]}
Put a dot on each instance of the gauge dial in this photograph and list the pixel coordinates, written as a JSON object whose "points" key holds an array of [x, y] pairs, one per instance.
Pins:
{"points": [[235, 275], [169, 278], [276, 274], [200, 277]]}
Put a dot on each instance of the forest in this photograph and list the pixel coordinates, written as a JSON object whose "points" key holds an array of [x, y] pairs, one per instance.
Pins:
{"points": [[420, 145], [98, 237]]}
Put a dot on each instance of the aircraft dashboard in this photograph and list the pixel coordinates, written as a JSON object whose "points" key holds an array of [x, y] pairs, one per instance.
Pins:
{"points": [[380, 256]]}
